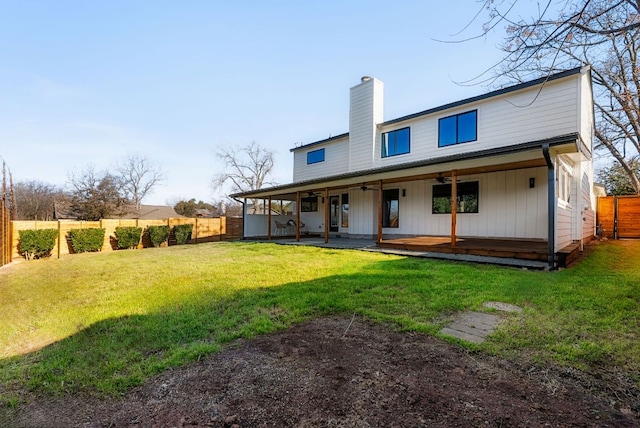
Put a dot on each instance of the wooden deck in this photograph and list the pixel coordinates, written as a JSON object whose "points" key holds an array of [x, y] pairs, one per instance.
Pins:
{"points": [[511, 248]]}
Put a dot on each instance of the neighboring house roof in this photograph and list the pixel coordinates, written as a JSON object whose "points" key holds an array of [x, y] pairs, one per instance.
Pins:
{"points": [[62, 211], [252, 209], [477, 98], [151, 212]]}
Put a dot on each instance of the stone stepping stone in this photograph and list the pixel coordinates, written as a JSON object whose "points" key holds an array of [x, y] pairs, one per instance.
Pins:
{"points": [[472, 326]]}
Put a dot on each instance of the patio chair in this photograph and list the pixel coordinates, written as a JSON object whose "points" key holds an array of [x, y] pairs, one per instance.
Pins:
{"points": [[281, 228], [292, 223]]}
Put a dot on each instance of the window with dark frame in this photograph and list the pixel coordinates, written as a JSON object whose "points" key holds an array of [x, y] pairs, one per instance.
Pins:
{"points": [[315, 156], [309, 205], [390, 208], [396, 142], [466, 202], [458, 129]]}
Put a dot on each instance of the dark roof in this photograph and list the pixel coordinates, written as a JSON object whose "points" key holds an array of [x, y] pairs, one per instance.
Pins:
{"points": [[151, 212], [147, 212], [496, 151], [491, 94]]}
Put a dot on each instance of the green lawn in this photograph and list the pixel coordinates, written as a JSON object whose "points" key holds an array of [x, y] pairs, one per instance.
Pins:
{"points": [[102, 323]]}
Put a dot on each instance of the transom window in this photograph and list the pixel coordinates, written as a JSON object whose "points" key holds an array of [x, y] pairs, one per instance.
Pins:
{"points": [[315, 156], [390, 208], [466, 202], [457, 129], [396, 142]]}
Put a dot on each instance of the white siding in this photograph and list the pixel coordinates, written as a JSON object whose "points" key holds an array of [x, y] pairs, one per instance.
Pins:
{"points": [[363, 212], [365, 113], [527, 115], [336, 161], [563, 228], [586, 112], [588, 202], [507, 207]]}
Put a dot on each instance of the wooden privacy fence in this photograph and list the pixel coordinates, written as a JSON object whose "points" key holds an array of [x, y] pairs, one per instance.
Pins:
{"points": [[618, 216], [204, 230], [5, 233]]}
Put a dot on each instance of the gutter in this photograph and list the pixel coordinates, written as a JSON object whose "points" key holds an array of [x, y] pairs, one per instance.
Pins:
{"points": [[551, 204]]}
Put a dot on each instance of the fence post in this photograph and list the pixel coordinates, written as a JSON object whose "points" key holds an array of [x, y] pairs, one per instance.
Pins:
{"points": [[59, 238]]}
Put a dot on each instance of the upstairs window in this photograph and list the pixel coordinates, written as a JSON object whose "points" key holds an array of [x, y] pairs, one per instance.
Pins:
{"points": [[467, 201], [457, 129], [315, 156], [395, 142]]}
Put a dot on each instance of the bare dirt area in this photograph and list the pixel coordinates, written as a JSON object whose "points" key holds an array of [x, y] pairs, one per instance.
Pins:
{"points": [[316, 375]]}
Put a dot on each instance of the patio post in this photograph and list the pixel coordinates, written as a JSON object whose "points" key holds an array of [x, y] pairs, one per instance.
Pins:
{"points": [[326, 215], [269, 220], [298, 216], [454, 206], [379, 239]]}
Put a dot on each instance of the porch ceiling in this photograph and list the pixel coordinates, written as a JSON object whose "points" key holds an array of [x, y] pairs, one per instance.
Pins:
{"points": [[522, 156]]}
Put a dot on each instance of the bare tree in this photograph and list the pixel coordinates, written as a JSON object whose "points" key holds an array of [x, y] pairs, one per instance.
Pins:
{"points": [[95, 196], [137, 176], [247, 168], [35, 200], [602, 33]]}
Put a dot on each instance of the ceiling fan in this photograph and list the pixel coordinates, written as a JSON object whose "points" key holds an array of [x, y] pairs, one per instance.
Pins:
{"points": [[441, 179]]}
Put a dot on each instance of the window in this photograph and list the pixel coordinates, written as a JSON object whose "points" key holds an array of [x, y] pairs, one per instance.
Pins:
{"points": [[315, 156], [345, 210], [308, 205], [564, 183], [467, 201], [390, 205], [460, 128], [395, 142]]}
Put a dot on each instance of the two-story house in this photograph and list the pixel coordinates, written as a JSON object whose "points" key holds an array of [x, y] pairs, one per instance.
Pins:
{"points": [[508, 173]]}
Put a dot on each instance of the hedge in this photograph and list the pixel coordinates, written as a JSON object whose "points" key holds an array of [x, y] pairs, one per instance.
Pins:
{"points": [[85, 240], [36, 244], [158, 235], [182, 233], [128, 237]]}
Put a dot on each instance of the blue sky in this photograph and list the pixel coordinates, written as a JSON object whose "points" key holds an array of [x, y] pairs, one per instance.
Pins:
{"points": [[89, 82]]}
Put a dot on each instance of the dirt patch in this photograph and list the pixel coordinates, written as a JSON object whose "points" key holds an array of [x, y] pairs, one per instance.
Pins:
{"points": [[316, 375]]}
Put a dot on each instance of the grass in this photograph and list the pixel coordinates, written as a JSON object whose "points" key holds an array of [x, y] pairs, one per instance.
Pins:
{"points": [[102, 323]]}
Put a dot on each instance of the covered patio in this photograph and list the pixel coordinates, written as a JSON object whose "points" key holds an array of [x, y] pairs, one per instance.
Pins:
{"points": [[519, 226]]}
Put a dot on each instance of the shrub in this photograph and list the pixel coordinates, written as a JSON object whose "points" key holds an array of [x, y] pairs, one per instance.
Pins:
{"points": [[128, 237], [182, 232], [158, 235], [36, 244], [83, 240]]}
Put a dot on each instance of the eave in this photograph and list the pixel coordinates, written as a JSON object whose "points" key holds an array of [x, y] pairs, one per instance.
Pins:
{"points": [[424, 169]]}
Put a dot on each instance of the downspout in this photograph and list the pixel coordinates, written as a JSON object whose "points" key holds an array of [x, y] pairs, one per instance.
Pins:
{"points": [[551, 207], [244, 214]]}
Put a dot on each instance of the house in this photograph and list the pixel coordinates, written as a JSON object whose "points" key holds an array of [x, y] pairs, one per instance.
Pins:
{"points": [[507, 174], [63, 211]]}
